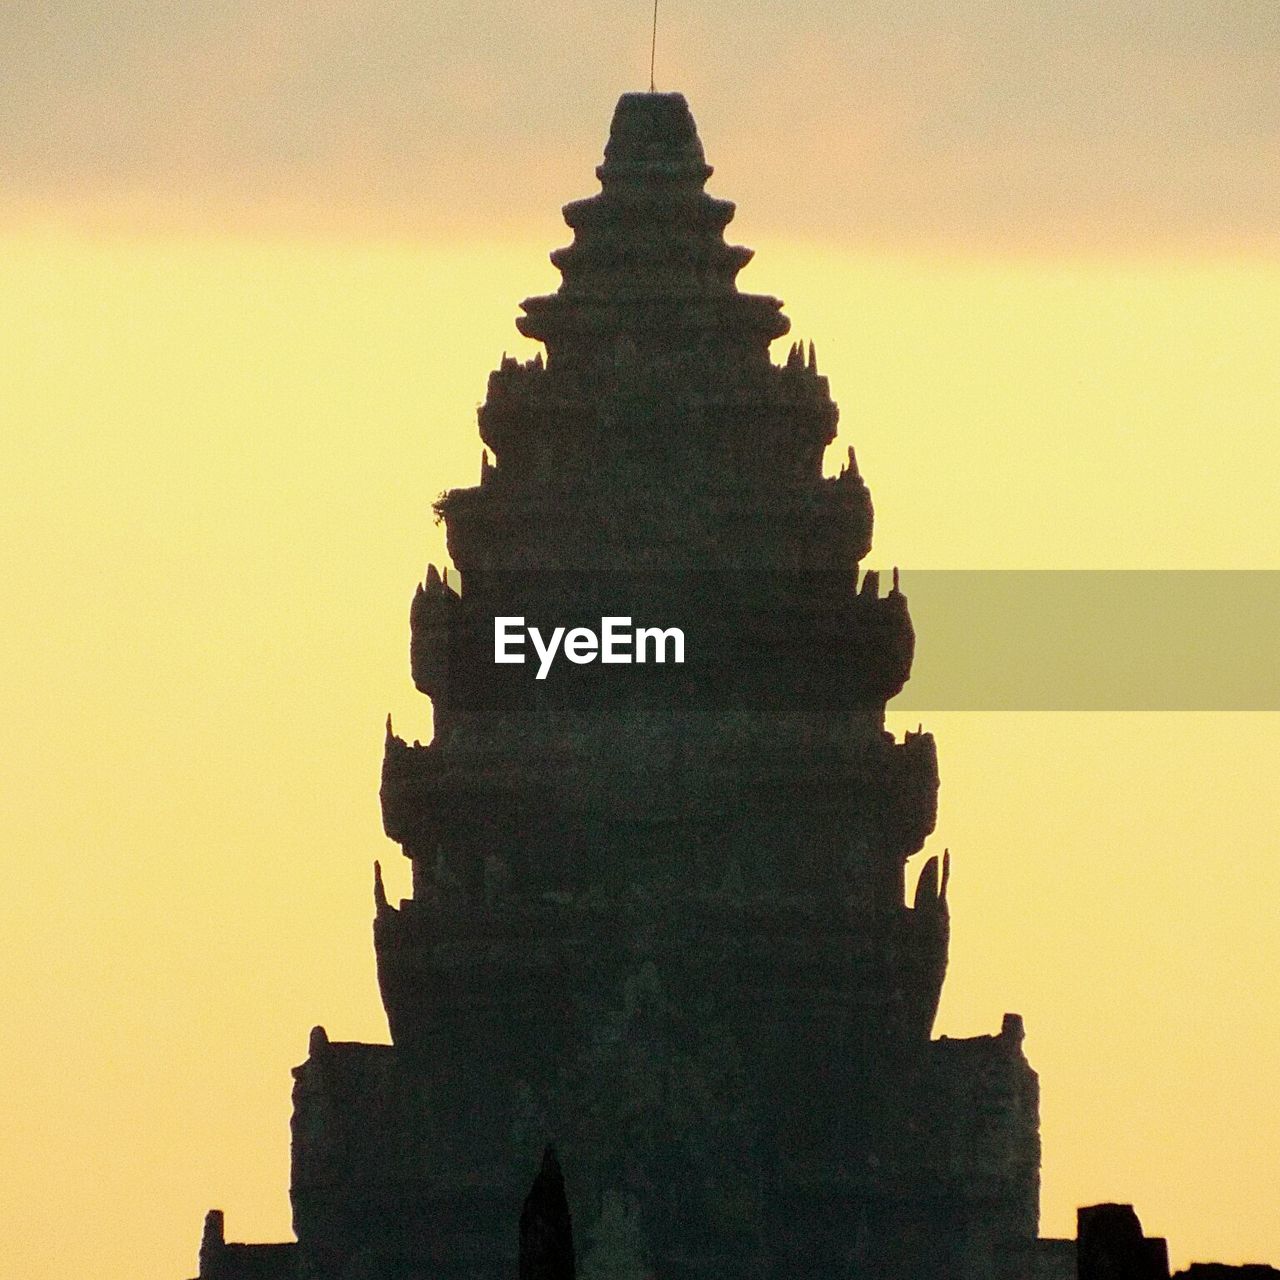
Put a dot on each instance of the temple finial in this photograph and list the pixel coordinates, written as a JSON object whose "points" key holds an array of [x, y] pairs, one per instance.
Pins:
{"points": [[653, 49]]}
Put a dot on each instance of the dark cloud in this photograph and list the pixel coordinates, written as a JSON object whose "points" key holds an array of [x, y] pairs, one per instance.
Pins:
{"points": [[1001, 121]]}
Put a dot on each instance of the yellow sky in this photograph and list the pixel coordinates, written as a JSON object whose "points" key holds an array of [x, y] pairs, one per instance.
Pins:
{"points": [[219, 457]]}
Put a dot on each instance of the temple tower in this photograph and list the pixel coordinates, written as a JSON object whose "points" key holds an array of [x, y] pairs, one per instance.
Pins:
{"points": [[659, 911]]}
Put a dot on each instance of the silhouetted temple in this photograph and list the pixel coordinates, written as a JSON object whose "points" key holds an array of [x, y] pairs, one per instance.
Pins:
{"points": [[659, 914]]}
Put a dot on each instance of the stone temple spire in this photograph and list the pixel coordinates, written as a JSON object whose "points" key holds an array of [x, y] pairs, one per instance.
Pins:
{"points": [[658, 914], [658, 917]]}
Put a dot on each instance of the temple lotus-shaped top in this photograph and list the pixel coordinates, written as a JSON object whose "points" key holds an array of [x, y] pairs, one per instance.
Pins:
{"points": [[654, 137], [649, 256], [658, 465]]}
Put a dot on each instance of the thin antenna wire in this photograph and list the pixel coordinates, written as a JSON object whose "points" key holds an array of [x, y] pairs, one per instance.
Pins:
{"points": [[653, 47]]}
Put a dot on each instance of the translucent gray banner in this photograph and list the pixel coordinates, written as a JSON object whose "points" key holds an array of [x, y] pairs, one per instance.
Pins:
{"points": [[1093, 640]]}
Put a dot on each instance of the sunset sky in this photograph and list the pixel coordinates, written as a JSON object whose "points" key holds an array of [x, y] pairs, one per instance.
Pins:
{"points": [[256, 261]]}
